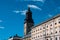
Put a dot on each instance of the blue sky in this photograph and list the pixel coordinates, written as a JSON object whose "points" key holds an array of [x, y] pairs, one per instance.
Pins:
{"points": [[12, 14]]}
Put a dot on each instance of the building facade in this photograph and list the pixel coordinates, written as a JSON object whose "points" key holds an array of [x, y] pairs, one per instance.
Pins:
{"points": [[48, 30], [16, 37]]}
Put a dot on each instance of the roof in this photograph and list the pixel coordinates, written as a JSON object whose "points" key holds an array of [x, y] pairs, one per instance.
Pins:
{"points": [[15, 36], [48, 20]]}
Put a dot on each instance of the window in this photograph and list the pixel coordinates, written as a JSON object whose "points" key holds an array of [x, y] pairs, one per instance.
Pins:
{"points": [[43, 27], [56, 38], [38, 36], [59, 31], [59, 21], [47, 26], [55, 27], [34, 37], [46, 39], [55, 23], [47, 33], [51, 32], [59, 38], [41, 35], [56, 32], [51, 39], [51, 25], [34, 31], [40, 29], [50, 28]]}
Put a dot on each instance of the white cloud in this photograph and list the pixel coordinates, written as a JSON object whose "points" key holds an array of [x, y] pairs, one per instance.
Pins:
{"points": [[32, 0], [39, 0], [1, 21], [49, 15], [36, 0], [2, 27], [16, 11], [34, 6], [23, 12]]}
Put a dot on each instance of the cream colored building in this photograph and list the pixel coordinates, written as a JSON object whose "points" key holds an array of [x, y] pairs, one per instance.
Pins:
{"points": [[48, 30]]}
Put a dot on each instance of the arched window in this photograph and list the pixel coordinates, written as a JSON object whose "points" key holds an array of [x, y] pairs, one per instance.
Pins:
{"points": [[56, 38], [46, 39], [51, 39]]}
